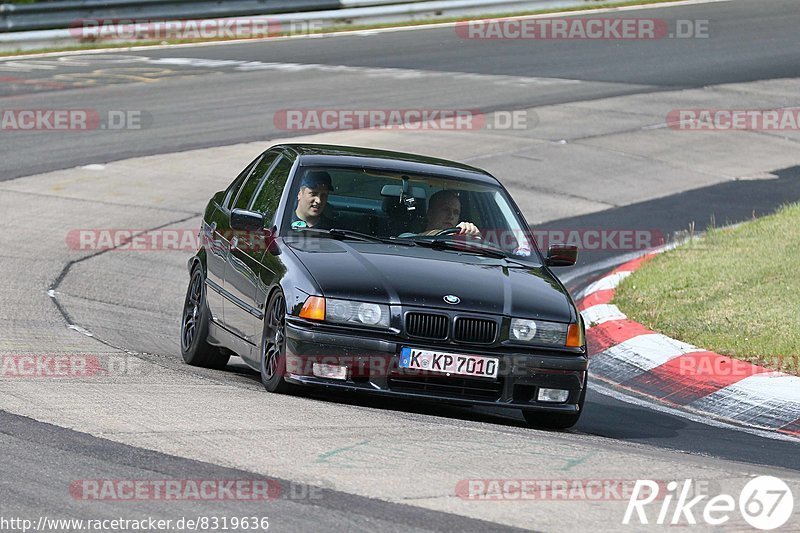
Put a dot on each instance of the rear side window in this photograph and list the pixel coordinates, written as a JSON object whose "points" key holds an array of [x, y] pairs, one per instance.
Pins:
{"points": [[269, 195], [230, 192], [248, 190]]}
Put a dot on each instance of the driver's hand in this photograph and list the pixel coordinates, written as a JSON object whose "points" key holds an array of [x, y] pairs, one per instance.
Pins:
{"points": [[468, 228]]}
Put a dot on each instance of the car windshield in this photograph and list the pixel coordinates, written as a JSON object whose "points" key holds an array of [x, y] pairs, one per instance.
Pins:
{"points": [[408, 207]]}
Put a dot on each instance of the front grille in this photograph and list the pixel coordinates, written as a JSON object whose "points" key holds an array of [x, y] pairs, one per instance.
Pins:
{"points": [[475, 330], [427, 325], [467, 388]]}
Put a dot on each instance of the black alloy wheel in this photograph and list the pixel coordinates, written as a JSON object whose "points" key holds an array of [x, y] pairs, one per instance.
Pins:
{"points": [[273, 351], [195, 348]]}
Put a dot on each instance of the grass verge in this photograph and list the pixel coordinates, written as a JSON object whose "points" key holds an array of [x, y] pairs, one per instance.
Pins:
{"points": [[342, 28], [733, 291]]}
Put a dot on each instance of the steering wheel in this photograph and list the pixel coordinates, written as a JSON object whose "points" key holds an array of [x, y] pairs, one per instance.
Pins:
{"points": [[455, 231]]}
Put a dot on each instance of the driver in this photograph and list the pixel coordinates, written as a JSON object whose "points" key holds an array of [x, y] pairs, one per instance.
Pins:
{"points": [[444, 211], [311, 201]]}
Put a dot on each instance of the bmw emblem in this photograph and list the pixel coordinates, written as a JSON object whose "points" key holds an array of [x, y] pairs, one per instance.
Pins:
{"points": [[452, 299]]}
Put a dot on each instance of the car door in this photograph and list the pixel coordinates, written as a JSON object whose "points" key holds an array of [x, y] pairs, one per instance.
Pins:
{"points": [[266, 202], [242, 314], [216, 236]]}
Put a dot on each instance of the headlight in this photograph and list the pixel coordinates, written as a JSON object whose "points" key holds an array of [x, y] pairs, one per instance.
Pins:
{"points": [[523, 330], [361, 313], [538, 332]]}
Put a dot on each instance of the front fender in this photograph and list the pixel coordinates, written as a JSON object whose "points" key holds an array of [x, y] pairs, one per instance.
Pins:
{"points": [[298, 283], [198, 259]]}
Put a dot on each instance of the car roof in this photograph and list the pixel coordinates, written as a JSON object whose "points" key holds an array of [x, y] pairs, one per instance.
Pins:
{"points": [[351, 156]]}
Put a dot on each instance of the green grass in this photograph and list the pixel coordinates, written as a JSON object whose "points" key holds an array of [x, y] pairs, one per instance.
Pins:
{"points": [[732, 291], [344, 27]]}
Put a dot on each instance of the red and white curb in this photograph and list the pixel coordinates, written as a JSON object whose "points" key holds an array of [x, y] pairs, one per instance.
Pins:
{"points": [[630, 356]]}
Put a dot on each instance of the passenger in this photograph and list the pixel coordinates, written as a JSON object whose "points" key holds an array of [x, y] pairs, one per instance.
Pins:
{"points": [[444, 211], [312, 198]]}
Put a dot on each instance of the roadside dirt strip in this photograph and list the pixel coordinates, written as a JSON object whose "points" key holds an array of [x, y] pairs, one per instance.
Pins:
{"points": [[627, 354]]}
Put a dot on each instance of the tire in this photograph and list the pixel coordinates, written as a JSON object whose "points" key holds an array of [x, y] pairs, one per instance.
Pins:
{"points": [[195, 348], [273, 346], [554, 420]]}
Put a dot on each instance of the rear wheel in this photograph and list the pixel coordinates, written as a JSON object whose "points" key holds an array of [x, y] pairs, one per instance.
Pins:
{"points": [[195, 349], [554, 420], [273, 346]]}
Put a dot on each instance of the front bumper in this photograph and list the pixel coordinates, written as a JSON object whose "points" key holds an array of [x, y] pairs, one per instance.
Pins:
{"points": [[373, 368]]}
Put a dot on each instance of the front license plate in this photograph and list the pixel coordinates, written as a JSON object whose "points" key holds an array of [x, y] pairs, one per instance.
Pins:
{"points": [[449, 363]]}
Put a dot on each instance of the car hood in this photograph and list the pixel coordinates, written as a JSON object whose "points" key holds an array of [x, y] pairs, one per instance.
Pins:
{"points": [[416, 276]]}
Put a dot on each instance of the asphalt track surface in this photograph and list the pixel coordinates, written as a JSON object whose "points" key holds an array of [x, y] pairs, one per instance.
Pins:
{"points": [[745, 43], [192, 108]]}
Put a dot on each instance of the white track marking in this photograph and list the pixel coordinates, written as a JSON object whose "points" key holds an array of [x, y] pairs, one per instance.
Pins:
{"points": [[597, 314], [606, 391], [604, 284], [648, 351], [256, 66], [771, 397]]}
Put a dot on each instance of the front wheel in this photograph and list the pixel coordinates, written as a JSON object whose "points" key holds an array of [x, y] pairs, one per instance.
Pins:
{"points": [[195, 349], [273, 346]]}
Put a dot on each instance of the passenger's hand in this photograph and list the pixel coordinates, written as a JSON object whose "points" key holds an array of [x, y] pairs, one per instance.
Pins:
{"points": [[468, 228]]}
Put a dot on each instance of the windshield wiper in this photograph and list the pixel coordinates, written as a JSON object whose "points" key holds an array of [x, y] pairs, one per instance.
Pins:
{"points": [[462, 246], [471, 247]]}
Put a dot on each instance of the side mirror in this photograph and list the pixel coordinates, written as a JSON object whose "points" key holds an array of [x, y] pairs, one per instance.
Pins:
{"points": [[562, 255], [272, 242], [244, 220]]}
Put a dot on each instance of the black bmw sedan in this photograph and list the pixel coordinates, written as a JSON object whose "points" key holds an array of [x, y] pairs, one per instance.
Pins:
{"points": [[385, 273]]}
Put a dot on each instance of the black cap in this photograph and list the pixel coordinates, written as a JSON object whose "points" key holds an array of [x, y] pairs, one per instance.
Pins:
{"points": [[316, 179]]}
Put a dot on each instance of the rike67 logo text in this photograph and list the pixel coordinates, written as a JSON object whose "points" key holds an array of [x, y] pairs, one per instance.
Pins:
{"points": [[765, 503]]}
